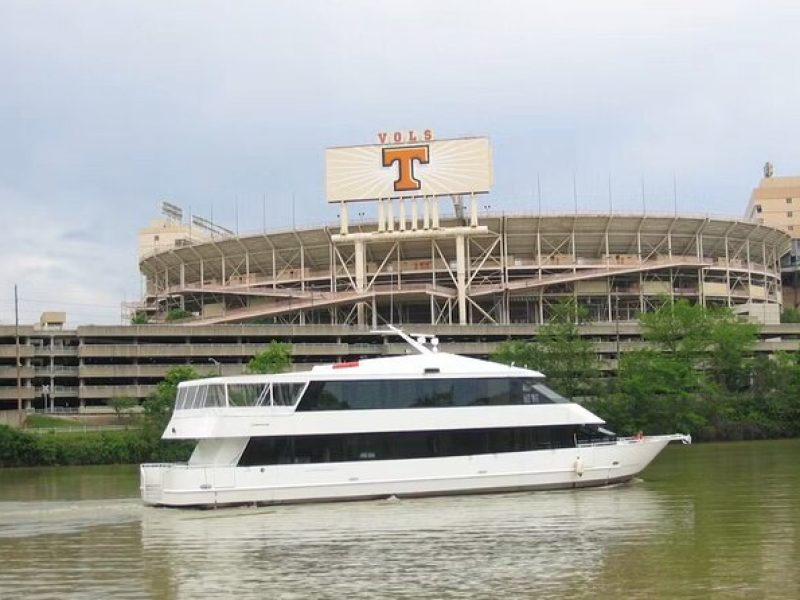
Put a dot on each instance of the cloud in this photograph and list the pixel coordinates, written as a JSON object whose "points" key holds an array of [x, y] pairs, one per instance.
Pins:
{"points": [[104, 113], [58, 264]]}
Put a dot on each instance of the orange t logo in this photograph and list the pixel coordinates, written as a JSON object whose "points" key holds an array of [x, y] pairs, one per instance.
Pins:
{"points": [[405, 157]]}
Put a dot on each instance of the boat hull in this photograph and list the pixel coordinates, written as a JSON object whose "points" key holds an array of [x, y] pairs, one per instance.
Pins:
{"points": [[183, 485]]}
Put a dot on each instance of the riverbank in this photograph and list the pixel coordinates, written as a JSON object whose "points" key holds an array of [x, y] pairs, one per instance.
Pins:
{"points": [[19, 448]]}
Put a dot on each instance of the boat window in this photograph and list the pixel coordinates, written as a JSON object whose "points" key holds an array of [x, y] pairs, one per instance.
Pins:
{"points": [[214, 396], [196, 397], [286, 394], [180, 400], [272, 450], [200, 396], [538, 393], [422, 393], [593, 434], [246, 394], [548, 395]]}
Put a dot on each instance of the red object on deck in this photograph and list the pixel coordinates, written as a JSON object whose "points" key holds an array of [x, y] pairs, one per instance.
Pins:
{"points": [[345, 365]]}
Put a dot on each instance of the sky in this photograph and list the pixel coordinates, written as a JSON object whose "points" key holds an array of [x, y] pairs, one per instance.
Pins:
{"points": [[225, 108]]}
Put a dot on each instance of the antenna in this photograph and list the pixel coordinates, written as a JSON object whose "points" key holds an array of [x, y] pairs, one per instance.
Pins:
{"points": [[416, 344]]}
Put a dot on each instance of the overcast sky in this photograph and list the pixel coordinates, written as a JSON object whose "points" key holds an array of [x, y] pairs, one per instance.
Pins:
{"points": [[108, 108]]}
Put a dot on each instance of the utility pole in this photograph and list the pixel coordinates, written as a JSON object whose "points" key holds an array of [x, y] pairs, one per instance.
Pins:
{"points": [[644, 200], [575, 191], [674, 193], [16, 344], [539, 192]]}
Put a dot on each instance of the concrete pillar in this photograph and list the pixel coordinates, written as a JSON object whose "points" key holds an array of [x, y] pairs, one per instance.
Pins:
{"points": [[473, 211], [302, 269], [426, 213], [274, 270], [343, 224], [361, 277], [389, 215], [435, 212], [402, 224], [381, 225], [413, 214], [461, 279]]}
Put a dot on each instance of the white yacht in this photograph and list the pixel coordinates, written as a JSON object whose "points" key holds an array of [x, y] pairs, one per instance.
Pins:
{"points": [[423, 424]]}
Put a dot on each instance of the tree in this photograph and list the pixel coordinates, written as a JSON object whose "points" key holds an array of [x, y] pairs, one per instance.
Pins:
{"points": [[123, 405], [159, 405], [729, 353], [695, 375], [275, 359], [775, 404], [139, 318], [655, 392], [568, 360], [678, 327]]}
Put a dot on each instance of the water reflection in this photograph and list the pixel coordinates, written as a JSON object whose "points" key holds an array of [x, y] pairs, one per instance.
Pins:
{"points": [[438, 547], [706, 521]]}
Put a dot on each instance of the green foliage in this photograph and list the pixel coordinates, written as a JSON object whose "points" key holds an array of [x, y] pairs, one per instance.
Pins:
{"points": [[16, 448], [139, 318], [159, 405], [700, 374], [677, 327], [176, 314], [19, 448], [655, 393], [559, 351], [123, 405], [275, 359], [158, 409], [790, 315], [109, 447], [729, 353]]}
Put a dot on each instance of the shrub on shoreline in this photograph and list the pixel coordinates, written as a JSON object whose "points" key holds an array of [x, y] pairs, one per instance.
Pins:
{"points": [[21, 449]]}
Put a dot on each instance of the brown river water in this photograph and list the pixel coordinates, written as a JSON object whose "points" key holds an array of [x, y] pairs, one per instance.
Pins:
{"points": [[706, 521]]}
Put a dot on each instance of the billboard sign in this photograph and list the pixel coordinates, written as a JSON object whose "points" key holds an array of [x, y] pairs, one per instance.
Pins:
{"points": [[412, 169]]}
